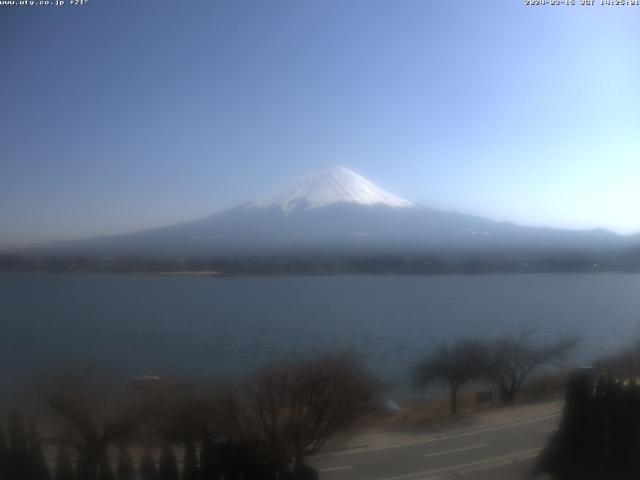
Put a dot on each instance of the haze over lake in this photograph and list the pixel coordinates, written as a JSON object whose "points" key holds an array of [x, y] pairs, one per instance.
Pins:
{"points": [[225, 327]]}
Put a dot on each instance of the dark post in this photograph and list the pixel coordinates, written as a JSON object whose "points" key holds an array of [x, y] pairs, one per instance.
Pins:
{"points": [[575, 427], [106, 472], [63, 470], [168, 469], [126, 471], [3, 454], [190, 463], [37, 463], [567, 454], [209, 461], [18, 454], [148, 469]]}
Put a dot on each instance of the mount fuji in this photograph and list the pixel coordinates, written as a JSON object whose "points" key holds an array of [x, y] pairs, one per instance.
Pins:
{"points": [[330, 186], [337, 211]]}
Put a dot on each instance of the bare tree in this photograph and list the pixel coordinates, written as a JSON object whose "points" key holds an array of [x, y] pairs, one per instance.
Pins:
{"points": [[513, 358], [453, 365], [92, 418], [293, 410]]}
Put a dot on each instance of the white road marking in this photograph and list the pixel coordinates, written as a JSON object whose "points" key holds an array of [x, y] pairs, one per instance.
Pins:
{"points": [[489, 466], [446, 452], [494, 460], [333, 469], [500, 427], [439, 439], [549, 430]]}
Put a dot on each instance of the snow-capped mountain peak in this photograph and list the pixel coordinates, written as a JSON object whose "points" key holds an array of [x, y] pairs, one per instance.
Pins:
{"points": [[329, 186]]}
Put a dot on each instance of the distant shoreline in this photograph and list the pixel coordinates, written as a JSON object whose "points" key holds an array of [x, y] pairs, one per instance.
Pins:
{"points": [[214, 274], [327, 265], [195, 273]]}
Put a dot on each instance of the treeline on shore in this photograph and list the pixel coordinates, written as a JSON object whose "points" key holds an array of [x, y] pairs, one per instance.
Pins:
{"points": [[328, 264]]}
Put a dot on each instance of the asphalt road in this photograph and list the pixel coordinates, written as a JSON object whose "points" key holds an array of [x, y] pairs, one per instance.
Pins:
{"points": [[501, 452]]}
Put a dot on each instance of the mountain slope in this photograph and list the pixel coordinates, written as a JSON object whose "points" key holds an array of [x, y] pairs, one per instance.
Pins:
{"points": [[336, 211]]}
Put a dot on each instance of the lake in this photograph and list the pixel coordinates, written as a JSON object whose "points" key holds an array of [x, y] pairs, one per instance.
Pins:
{"points": [[226, 327]]}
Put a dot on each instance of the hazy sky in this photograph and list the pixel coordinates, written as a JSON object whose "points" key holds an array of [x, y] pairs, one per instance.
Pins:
{"points": [[127, 114]]}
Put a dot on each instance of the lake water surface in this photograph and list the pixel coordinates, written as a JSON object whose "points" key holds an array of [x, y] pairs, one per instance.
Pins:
{"points": [[225, 327]]}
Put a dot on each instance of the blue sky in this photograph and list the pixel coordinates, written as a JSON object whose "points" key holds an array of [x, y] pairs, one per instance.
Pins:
{"points": [[122, 115]]}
